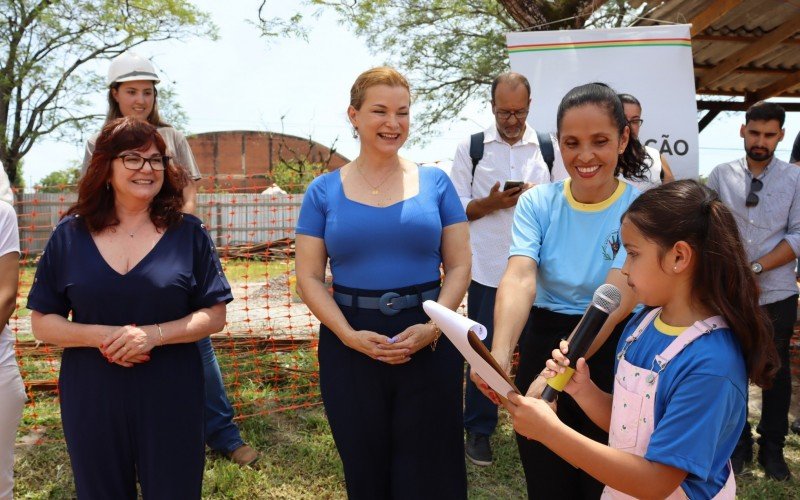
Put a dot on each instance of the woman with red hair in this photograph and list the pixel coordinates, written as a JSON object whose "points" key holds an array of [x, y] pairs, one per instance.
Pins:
{"points": [[143, 284]]}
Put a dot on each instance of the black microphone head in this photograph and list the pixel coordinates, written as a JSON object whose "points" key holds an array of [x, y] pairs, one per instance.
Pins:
{"points": [[607, 297]]}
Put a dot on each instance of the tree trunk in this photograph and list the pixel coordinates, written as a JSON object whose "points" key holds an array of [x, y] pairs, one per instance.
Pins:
{"points": [[11, 167], [525, 12], [532, 14]]}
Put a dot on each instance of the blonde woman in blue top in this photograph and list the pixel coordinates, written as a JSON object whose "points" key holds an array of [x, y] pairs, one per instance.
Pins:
{"points": [[391, 387]]}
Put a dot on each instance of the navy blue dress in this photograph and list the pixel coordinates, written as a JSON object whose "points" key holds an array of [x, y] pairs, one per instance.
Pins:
{"points": [[145, 421]]}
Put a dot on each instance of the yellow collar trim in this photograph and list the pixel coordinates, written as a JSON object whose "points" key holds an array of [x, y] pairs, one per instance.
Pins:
{"points": [[672, 331], [593, 207]]}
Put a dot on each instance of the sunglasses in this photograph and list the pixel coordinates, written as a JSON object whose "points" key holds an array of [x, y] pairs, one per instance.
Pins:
{"points": [[752, 197]]}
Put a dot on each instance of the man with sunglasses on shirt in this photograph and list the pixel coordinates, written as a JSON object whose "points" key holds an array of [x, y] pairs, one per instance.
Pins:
{"points": [[763, 193]]}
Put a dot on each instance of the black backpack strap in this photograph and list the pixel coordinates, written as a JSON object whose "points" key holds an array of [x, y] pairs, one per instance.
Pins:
{"points": [[546, 145], [475, 152]]}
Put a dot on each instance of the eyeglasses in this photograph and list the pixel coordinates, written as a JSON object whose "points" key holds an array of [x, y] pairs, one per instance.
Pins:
{"points": [[505, 115], [752, 197], [133, 161], [637, 121]]}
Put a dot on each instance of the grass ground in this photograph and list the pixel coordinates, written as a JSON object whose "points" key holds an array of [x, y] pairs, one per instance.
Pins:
{"points": [[299, 460], [255, 270]]}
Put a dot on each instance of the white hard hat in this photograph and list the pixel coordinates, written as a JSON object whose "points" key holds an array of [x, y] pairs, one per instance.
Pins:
{"points": [[130, 66]]}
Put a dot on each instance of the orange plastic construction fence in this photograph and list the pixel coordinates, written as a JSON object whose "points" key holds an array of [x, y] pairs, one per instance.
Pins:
{"points": [[266, 351]]}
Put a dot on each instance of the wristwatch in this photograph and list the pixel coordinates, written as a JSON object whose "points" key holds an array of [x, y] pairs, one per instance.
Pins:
{"points": [[756, 268]]}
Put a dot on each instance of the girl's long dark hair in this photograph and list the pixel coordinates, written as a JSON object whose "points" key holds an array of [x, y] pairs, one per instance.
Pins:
{"points": [[95, 202], [688, 211], [632, 162]]}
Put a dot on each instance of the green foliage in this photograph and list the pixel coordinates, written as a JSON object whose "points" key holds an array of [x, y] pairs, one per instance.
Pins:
{"points": [[451, 49], [170, 108], [61, 181], [294, 176], [44, 76]]}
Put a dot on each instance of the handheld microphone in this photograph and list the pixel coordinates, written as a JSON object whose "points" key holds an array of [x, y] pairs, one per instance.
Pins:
{"points": [[606, 300]]}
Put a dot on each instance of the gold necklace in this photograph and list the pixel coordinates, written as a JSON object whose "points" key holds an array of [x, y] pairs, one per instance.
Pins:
{"points": [[375, 190]]}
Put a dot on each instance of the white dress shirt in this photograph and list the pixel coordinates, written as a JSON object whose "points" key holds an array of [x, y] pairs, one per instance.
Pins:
{"points": [[490, 235]]}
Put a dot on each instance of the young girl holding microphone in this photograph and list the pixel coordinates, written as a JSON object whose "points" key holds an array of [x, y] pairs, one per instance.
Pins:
{"points": [[680, 388]]}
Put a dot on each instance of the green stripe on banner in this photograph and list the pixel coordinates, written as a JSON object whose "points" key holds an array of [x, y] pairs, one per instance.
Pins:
{"points": [[597, 46], [616, 46]]}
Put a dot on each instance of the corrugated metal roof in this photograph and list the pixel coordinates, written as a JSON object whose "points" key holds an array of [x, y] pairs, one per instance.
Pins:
{"points": [[741, 47]]}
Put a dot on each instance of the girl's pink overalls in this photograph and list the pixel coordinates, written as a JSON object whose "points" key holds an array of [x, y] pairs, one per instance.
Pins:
{"points": [[632, 412]]}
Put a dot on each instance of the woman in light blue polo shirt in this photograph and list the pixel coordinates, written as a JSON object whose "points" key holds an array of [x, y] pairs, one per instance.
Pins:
{"points": [[565, 243]]}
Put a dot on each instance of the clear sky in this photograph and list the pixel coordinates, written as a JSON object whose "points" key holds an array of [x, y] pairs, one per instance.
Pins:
{"points": [[244, 82]]}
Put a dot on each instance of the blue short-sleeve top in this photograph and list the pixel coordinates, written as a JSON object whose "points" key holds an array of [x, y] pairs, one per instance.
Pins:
{"points": [[700, 402], [574, 244], [180, 275], [381, 248]]}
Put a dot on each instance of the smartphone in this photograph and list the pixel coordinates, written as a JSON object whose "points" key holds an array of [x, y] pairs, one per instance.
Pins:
{"points": [[512, 184]]}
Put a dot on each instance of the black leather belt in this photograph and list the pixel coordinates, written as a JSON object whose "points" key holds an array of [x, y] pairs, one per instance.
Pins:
{"points": [[390, 303]]}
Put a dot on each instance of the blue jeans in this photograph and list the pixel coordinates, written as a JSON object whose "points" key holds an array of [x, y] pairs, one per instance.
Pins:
{"points": [[480, 414], [222, 434]]}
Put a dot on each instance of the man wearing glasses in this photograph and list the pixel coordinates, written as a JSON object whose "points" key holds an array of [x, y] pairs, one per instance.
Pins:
{"points": [[763, 193], [490, 171]]}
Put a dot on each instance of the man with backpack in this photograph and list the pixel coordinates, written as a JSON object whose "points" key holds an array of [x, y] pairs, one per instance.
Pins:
{"points": [[490, 171]]}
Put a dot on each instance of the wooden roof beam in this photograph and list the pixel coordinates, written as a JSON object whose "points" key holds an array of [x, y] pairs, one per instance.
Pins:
{"points": [[711, 14], [738, 39], [751, 52], [747, 70], [779, 87], [741, 106], [707, 118], [741, 93]]}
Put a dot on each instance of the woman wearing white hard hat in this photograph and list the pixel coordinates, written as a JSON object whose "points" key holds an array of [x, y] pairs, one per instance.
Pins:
{"points": [[132, 91]]}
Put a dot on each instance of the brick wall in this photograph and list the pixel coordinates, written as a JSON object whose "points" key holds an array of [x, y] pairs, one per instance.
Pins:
{"points": [[241, 160]]}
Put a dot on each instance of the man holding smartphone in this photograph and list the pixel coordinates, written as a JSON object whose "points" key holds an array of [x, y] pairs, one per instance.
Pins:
{"points": [[490, 177]]}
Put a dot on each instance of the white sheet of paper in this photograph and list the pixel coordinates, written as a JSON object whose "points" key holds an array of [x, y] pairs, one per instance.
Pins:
{"points": [[456, 327]]}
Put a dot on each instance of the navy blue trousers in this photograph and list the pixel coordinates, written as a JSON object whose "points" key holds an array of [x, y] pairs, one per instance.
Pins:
{"points": [[547, 475], [398, 428], [144, 422], [480, 414]]}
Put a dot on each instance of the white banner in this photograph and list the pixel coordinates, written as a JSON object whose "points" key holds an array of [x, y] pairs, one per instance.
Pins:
{"points": [[654, 64]]}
